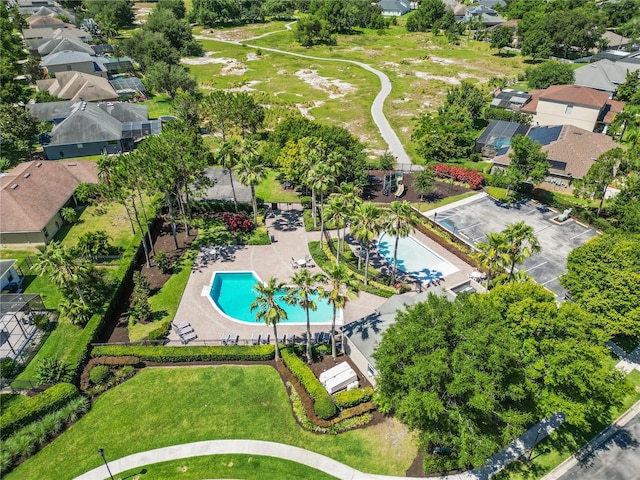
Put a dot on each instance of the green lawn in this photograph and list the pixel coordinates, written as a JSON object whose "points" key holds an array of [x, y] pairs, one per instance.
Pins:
{"points": [[169, 406], [159, 105], [270, 190], [425, 206], [248, 467], [553, 451]]}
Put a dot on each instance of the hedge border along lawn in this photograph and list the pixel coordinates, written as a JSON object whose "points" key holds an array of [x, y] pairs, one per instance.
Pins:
{"points": [[351, 398], [255, 353], [323, 404], [21, 414]]}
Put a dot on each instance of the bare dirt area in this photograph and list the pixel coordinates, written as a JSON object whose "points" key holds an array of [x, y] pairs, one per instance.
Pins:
{"points": [[374, 190], [117, 329]]}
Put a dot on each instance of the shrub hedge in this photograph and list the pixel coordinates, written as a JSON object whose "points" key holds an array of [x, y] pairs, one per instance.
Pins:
{"points": [[351, 398], [99, 374], [19, 415], [163, 354], [323, 404]]}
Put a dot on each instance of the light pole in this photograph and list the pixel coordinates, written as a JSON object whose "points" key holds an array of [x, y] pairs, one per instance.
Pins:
{"points": [[540, 430], [101, 453]]}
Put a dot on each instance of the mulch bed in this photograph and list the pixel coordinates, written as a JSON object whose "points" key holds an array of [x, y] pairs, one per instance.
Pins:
{"points": [[117, 330], [373, 191]]}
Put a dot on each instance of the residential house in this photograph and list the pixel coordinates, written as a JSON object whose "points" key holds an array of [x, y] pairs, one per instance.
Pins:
{"points": [[29, 7], [607, 74], [491, 3], [52, 11], [485, 15], [497, 136], [576, 105], [68, 60], [45, 21], [35, 37], [616, 41], [78, 86], [571, 151], [10, 278], [32, 195], [360, 338], [82, 128], [394, 8], [62, 43]]}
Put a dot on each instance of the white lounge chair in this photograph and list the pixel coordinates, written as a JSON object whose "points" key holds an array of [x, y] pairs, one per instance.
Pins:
{"points": [[281, 337], [225, 338], [233, 339], [189, 336], [265, 339], [255, 339], [309, 260], [294, 264]]}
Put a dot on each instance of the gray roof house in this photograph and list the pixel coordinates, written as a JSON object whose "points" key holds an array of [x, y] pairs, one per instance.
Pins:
{"points": [[34, 38], [606, 75], [360, 338], [61, 43], [394, 8], [68, 60], [488, 16], [83, 128]]}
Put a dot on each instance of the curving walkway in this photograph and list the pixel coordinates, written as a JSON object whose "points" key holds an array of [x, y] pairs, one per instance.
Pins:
{"points": [[248, 447], [377, 112]]}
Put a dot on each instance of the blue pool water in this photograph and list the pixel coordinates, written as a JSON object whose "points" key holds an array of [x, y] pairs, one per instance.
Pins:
{"points": [[415, 258], [233, 294]]}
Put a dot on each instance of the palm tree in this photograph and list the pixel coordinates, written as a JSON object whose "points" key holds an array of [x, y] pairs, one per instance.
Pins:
{"points": [[304, 286], [365, 227], [352, 196], [63, 267], [337, 211], [493, 254], [522, 243], [401, 221], [318, 179], [267, 310], [338, 295], [228, 156], [251, 172]]}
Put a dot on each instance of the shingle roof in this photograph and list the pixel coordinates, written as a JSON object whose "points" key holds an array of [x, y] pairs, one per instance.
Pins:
{"points": [[575, 95], [42, 190], [49, 111], [87, 123], [61, 43], [126, 112], [67, 56], [123, 112], [605, 74], [35, 20], [573, 153], [78, 86]]}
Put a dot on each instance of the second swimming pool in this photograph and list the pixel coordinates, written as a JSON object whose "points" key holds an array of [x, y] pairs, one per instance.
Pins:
{"points": [[233, 293], [415, 258]]}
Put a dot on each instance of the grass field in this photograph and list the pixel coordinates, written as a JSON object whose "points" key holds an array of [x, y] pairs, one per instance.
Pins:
{"points": [[170, 406], [425, 206], [248, 467], [270, 190], [421, 67]]}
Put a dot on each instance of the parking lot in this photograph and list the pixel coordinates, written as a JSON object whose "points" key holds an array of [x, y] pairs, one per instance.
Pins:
{"points": [[473, 220]]}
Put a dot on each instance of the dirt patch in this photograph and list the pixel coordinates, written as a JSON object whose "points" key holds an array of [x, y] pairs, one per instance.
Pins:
{"points": [[231, 66], [333, 87], [245, 87], [306, 107], [442, 78]]}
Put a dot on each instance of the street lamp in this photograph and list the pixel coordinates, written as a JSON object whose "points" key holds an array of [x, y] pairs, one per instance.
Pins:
{"points": [[101, 453], [540, 430]]}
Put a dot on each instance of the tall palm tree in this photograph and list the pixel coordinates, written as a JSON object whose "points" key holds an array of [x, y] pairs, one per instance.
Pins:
{"points": [[352, 196], [522, 243], [401, 221], [266, 307], [365, 227], [228, 156], [251, 172], [493, 254], [337, 211], [318, 179], [65, 269], [339, 293], [304, 286]]}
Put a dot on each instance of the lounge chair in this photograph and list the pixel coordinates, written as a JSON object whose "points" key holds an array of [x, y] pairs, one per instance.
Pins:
{"points": [[225, 338], [309, 260], [281, 337], [290, 340], [189, 336], [255, 339], [181, 324], [317, 337], [265, 339], [233, 339], [325, 337], [294, 264]]}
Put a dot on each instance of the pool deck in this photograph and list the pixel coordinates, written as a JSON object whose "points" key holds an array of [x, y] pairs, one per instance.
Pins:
{"points": [[291, 240]]}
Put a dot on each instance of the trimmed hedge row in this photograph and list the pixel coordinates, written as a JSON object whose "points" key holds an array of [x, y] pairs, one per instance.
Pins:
{"points": [[323, 404], [162, 354], [351, 398], [23, 413]]}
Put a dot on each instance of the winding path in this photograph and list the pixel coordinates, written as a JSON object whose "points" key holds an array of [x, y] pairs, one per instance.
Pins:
{"points": [[388, 134]]}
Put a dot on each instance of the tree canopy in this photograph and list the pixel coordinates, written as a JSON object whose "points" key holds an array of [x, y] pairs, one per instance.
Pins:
{"points": [[475, 373], [603, 276], [527, 161], [549, 73]]}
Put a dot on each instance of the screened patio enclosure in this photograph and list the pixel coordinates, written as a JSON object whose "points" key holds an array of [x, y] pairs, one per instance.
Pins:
{"points": [[17, 328]]}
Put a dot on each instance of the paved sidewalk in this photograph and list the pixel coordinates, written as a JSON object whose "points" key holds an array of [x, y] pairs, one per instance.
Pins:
{"points": [[628, 361]]}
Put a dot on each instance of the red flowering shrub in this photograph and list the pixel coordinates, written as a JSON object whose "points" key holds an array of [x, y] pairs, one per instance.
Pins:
{"points": [[236, 222], [470, 177]]}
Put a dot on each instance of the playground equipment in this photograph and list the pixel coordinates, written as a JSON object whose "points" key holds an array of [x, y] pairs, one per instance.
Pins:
{"points": [[392, 182]]}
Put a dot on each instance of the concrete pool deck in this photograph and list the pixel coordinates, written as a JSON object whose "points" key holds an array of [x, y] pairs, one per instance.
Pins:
{"points": [[291, 240]]}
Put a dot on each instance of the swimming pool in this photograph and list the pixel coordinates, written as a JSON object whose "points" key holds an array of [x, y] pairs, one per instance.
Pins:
{"points": [[232, 294], [415, 258]]}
